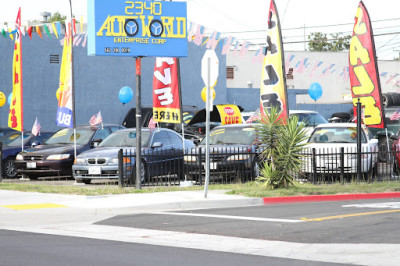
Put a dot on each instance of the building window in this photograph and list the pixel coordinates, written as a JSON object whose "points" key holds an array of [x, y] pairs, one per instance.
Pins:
{"points": [[54, 59], [229, 72]]}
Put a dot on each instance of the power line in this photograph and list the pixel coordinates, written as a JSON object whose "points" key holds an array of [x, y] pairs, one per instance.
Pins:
{"points": [[309, 27]]}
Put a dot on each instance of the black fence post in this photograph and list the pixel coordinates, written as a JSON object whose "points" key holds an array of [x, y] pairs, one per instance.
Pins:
{"points": [[314, 166], [120, 168], [342, 165]]}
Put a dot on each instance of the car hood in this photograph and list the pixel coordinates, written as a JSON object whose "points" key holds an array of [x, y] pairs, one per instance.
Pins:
{"points": [[200, 116], [330, 146], [235, 148], [104, 152], [53, 149]]}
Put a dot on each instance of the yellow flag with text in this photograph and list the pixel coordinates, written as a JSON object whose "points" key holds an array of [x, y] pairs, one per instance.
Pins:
{"points": [[15, 117]]}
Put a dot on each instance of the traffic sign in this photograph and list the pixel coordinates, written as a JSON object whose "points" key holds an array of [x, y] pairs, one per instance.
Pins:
{"points": [[209, 68]]}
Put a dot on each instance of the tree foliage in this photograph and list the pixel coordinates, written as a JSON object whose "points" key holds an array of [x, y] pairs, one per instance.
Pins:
{"points": [[320, 42], [57, 17], [282, 153]]}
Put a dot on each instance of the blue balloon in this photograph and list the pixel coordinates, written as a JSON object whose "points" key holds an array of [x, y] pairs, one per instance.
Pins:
{"points": [[315, 91], [9, 99], [125, 94]]}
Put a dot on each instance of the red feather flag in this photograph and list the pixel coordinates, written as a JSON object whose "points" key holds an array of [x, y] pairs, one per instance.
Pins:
{"points": [[363, 70]]}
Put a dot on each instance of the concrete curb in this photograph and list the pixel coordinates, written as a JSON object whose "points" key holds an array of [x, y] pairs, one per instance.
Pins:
{"points": [[311, 198]]}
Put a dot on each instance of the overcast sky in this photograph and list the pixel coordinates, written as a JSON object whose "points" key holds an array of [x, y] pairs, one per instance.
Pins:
{"points": [[298, 18]]}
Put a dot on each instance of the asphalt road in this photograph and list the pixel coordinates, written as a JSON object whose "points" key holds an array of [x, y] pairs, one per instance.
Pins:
{"points": [[53, 229], [368, 221], [19, 248]]}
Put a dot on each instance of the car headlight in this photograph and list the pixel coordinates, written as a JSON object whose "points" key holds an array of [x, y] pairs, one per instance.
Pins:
{"points": [[19, 157], [238, 157], [80, 160], [189, 158], [58, 157], [114, 161]]}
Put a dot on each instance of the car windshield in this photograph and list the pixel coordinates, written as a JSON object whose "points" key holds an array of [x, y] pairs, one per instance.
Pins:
{"points": [[125, 139], [66, 136], [14, 139], [233, 135], [311, 119], [336, 135]]}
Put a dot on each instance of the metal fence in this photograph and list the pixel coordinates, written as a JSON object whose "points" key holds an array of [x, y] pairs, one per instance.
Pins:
{"points": [[167, 168], [170, 168]]}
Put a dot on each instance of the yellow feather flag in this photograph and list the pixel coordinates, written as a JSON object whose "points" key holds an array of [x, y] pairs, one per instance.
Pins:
{"points": [[54, 29], [15, 117]]}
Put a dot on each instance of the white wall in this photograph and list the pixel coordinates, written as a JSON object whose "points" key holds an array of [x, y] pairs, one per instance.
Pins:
{"points": [[335, 82]]}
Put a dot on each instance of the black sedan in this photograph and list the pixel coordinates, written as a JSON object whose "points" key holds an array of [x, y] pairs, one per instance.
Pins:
{"points": [[12, 145], [234, 153], [56, 156]]}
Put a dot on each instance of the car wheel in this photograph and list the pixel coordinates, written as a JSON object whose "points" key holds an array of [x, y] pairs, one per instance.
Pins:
{"points": [[9, 170]]}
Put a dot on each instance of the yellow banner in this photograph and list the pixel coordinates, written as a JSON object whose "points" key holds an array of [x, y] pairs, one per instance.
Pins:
{"points": [[166, 115], [230, 114], [15, 117]]}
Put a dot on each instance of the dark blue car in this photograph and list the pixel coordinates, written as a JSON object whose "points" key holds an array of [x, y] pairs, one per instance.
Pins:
{"points": [[12, 145]]}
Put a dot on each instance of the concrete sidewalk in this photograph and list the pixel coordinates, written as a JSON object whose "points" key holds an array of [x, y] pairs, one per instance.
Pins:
{"points": [[137, 201]]}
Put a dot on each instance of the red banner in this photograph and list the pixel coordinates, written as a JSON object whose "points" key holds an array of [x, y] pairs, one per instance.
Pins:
{"points": [[363, 70], [273, 92], [166, 96]]}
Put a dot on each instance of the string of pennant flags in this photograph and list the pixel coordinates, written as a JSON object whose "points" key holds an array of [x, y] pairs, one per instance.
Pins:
{"points": [[318, 69], [201, 36], [49, 29]]}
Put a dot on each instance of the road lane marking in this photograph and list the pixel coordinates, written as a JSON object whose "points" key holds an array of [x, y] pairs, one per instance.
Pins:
{"points": [[346, 216], [229, 217], [386, 205], [33, 206]]}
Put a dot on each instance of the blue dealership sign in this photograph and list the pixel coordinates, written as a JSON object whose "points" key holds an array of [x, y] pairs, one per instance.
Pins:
{"points": [[137, 28]]}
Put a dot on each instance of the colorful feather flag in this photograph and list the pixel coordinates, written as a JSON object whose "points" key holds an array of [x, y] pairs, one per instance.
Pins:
{"points": [[16, 114]]}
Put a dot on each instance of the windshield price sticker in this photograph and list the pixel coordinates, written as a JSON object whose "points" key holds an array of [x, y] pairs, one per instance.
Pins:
{"points": [[137, 28]]}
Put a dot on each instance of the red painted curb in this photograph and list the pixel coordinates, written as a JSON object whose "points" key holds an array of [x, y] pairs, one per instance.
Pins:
{"points": [[331, 197]]}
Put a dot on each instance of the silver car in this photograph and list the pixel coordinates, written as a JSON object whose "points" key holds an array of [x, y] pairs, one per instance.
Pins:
{"points": [[160, 147]]}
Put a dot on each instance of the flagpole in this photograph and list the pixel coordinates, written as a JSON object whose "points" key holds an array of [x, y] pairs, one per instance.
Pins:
{"points": [[72, 80]]}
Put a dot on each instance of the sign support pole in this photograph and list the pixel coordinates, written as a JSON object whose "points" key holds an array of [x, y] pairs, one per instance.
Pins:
{"points": [[72, 80], [138, 122], [207, 130]]}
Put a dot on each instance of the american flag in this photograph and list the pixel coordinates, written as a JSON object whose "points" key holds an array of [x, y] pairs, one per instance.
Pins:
{"points": [[96, 119], [256, 116], [36, 127], [395, 115], [152, 124]]}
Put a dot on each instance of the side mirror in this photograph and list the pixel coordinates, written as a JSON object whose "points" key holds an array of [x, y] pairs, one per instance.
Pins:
{"points": [[95, 143], [157, 145], [35, 143]]}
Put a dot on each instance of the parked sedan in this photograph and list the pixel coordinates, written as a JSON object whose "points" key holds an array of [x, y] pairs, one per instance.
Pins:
{"points": [[56, 156], [328, 139], [233, 153], [162, 153], [12, 145]]}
